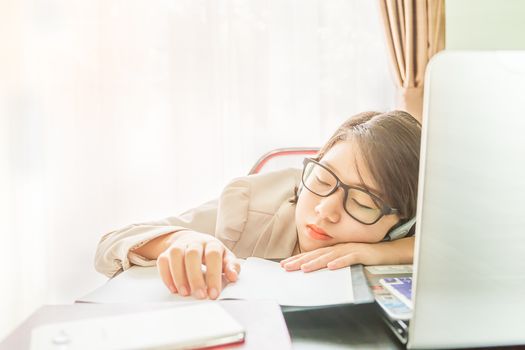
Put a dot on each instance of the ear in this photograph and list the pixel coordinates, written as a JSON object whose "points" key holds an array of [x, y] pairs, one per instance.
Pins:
{"points": [[400, 231]]}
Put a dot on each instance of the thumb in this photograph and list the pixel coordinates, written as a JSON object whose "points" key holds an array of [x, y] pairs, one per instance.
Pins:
{"points": [[231, 266]]}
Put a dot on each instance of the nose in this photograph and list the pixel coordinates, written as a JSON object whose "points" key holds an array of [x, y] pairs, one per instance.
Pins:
{"points": [[329, 208]]}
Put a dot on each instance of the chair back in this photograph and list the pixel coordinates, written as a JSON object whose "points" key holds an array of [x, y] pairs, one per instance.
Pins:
{"points": [[280, 158]]}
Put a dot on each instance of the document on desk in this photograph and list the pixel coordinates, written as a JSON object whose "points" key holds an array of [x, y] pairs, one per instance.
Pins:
{"points": [[259, 279], [192, 326]]}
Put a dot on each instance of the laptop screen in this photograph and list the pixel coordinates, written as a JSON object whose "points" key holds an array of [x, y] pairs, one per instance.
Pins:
{"points": [[469, 268]]}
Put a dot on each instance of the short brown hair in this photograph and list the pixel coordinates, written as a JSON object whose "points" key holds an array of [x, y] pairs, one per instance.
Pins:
{"points": [[390, 146]]}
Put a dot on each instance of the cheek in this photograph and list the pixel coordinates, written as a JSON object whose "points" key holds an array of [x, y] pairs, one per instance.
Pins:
{"points": [[306, 203], [373, 236], [304, 208], [353, 231], [347, 230]]}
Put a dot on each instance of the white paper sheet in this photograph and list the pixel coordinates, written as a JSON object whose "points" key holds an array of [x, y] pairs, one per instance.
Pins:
{"points": [[259, 279], [264, 279]]}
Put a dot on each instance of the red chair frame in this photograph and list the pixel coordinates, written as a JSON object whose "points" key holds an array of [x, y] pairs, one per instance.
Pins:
{"points": [[279, 152]]}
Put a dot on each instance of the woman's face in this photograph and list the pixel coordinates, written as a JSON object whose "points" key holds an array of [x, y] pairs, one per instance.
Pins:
{"points": [[322, 221]]}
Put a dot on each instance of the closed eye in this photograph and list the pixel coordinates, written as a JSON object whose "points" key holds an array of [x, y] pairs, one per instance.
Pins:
{"points": [[361, 205], [321, 181]]}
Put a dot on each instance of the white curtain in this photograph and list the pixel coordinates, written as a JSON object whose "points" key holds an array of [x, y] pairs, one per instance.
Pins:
{"points": [[115, 112]]}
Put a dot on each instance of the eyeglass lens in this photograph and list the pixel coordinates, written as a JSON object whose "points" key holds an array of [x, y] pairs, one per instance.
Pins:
{"points": [[358, 204]]}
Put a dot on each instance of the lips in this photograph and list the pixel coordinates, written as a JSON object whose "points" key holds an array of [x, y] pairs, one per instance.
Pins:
{"points": [[317, 233]]}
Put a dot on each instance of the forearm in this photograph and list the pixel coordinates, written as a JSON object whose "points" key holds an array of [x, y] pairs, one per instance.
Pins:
{"points": [[399, 251], [152, 249]]}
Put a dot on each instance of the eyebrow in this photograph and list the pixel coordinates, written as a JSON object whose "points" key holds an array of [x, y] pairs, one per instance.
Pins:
{"points": [[361, 184]]}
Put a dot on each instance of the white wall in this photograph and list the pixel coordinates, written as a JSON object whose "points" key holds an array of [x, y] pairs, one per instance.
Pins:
{"points": [[485, 24], [111, 112]]}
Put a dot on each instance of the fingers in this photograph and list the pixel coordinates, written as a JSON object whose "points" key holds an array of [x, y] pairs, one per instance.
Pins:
{"points": [[163, 265], [213, 257], [192, 261], [290, 259], [344, 261], [177, 268], [180, 267], [318, 263], [231, 266], [295, 262]]}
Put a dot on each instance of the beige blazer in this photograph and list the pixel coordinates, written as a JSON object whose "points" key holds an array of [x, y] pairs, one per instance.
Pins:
{"points": [[252, 217]]}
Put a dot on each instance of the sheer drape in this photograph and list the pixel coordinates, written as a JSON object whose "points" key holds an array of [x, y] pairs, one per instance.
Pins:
{"points": [[117, 112]]}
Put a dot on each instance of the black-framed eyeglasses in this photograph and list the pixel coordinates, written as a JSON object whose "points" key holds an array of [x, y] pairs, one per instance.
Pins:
{"points": [[360, 204]]}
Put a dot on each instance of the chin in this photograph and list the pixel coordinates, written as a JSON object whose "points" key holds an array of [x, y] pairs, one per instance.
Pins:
{"points": [[306, 244]]}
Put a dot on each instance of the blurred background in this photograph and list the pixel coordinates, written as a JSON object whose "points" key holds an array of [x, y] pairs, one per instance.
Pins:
{"points": [[114, 112]]}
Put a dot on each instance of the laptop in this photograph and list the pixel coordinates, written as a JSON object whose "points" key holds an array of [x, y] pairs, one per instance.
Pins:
{"points": [[468, 285]]}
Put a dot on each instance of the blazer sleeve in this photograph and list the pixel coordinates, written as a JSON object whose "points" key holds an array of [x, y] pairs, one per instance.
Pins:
{"points": [[113, 251]]}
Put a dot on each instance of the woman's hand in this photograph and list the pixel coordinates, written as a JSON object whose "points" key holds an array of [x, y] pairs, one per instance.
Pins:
{"points": [[180, 265], [345, 254], [333, 257]]}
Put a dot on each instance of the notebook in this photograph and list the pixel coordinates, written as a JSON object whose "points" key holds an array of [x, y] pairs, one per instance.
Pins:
{"points": [[400, 287], [394, 308], [262, 320], [186, 327]]}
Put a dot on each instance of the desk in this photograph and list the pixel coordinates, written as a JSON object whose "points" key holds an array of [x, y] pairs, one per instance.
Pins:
{"points": [[344, 327], [348, 327]]}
